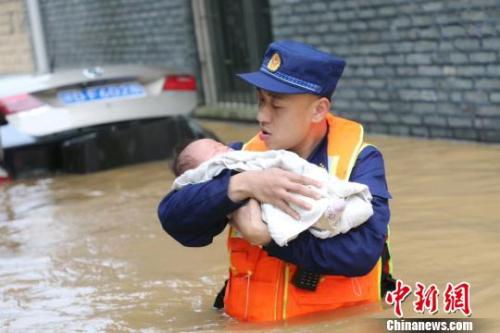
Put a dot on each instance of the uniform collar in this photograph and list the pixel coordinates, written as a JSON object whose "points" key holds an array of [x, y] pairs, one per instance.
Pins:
{"points": [[319, 155]]}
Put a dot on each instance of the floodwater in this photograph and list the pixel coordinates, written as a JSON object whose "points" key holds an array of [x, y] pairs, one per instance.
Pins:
{"points": [[87, 253]]}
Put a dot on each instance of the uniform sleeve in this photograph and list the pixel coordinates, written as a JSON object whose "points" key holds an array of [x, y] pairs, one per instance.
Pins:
{"points": [[195, 214], [356, 252]]}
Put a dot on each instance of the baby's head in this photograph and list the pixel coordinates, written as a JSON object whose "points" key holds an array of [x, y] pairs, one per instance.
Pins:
{"points": [[196, 153]]}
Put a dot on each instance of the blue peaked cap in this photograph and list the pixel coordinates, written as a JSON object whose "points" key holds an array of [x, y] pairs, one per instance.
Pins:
{"points": [[291, 67]]}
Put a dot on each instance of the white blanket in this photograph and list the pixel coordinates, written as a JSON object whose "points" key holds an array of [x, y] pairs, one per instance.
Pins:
{"points": [[282, 227]]}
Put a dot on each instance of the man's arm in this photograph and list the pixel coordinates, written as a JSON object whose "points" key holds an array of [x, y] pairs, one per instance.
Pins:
{"points": [[356, 252], [195, 214], [248, 221]]}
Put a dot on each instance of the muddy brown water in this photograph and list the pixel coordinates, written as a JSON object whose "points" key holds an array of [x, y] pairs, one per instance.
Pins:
{"points": [[87, 253]]}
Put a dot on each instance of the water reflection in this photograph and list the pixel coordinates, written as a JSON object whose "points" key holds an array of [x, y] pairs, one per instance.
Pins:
{"points": [[86, 253]]}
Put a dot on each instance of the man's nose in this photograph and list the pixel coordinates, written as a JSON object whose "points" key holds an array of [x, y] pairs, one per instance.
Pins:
{"points": [[264, 114]]}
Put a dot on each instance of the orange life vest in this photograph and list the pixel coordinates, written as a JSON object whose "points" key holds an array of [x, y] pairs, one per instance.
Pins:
{"points": [[259, 286]]}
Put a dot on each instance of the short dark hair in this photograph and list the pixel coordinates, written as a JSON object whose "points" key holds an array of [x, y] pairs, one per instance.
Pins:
{"points": [[181, 164]]}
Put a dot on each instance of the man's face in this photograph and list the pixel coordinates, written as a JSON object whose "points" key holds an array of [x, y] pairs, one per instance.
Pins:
{"points": [[284, 119]]}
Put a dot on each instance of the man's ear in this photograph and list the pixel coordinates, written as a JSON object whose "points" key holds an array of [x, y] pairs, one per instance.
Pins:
{"points": [[321, 108]]}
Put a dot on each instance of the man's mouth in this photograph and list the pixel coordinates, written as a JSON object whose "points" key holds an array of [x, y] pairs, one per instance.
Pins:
{"points": [[264, 135]]}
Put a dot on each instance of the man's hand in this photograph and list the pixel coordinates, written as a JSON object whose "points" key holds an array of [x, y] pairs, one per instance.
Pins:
{"points": [[274, 186], [248, 221]]}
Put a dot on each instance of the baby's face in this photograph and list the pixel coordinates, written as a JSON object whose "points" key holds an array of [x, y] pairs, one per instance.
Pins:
{"points": [[205, 149]]}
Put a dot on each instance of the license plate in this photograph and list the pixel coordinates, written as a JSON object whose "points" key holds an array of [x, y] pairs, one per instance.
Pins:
{"points": [[104, 92]]}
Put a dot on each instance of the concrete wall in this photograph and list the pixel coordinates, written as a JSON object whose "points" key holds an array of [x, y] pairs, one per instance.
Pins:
{"points": [[422, 68], [15, 50], [94, 32]]}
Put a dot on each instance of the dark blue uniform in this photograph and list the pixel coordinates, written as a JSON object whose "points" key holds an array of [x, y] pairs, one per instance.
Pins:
{"points": [[197, 213]]}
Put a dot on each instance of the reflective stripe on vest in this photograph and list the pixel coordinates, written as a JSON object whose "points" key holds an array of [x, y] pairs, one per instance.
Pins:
{"points": [[260, 288]]}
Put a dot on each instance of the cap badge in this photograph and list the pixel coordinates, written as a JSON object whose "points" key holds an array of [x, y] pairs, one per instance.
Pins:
{"points": [[274, 63]]}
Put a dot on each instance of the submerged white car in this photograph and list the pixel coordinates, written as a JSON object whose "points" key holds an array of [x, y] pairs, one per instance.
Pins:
{"points": [[57, 107], [71, 99]]}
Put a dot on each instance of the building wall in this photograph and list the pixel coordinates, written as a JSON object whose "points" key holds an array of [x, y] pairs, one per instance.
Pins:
{"points": [[95, 32], [428, 68], [15, 50]]}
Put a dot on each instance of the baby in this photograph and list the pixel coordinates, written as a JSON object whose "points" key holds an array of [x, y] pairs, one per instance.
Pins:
{"points": [[342, 206]]}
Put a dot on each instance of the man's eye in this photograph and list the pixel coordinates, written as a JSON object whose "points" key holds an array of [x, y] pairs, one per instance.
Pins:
{"points": [[277, 107]]}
